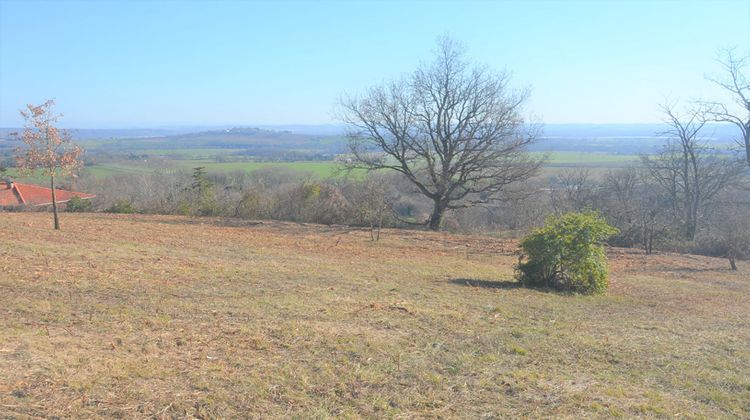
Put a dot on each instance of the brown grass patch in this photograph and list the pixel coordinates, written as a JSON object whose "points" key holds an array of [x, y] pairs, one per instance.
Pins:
{"points": [[156, 316]]}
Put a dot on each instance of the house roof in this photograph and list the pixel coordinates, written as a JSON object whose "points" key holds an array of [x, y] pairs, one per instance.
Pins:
{"points": [[17, 194]]}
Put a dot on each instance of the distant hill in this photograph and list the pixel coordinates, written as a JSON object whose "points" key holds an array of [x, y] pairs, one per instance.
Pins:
{"points": [[108, 133], [313, 129], [237, 140], [620, 138], [329, 138]]}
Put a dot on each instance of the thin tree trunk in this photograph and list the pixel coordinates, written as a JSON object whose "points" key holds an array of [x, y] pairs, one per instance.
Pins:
{"points": [[380, 225], [54, 203], [733, 263]]}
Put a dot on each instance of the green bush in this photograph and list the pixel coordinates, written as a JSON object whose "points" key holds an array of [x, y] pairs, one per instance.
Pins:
{"points": [[567, 254], [77, 205], [121, 206]]}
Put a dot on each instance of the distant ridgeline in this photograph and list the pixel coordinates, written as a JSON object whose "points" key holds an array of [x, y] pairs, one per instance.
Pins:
{"points": [[621, 138], [328, 140]]}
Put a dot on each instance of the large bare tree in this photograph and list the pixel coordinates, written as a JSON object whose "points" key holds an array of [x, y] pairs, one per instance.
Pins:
{"points": [[737, 84], [453, 129], [46, 147]]}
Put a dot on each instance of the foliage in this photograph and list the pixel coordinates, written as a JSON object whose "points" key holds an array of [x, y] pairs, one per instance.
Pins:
{"points": [[78, 205], [567, 254], [46, 147], [200, 181], [121, 206], [203, 201]]}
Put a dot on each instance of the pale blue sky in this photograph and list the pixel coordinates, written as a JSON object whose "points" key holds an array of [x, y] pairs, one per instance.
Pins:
{"points": [[137, 64]]}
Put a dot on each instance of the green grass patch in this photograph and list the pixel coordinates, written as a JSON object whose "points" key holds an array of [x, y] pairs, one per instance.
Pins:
{"points": [[587, 158]]}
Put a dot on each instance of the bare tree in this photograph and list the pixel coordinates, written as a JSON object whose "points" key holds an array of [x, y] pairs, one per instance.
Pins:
{"points": [[731, 229], [46, 147], [455, 131], [371, 202], [737, 84], [636, 205], [687, 169], [573, 190], [620, 203]]}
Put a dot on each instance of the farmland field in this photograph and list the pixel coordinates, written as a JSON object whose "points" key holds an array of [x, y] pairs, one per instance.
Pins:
{"points": [[589, 158], [187, 159], [321, 169], [161, 316]]}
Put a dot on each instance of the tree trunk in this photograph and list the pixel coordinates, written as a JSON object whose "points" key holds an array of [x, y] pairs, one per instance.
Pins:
{"points": [[690, 229], [733, 263], [437, 215], [54, 203]]}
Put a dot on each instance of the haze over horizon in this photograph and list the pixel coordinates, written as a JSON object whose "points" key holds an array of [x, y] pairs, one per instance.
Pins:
{"points": [[161, 64]]}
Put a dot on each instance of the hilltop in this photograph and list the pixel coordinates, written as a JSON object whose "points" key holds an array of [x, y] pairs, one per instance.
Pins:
{"points": [[161, 316]]}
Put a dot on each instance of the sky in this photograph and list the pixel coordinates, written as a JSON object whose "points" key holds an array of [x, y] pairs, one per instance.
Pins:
{"points": [[127, 64]]}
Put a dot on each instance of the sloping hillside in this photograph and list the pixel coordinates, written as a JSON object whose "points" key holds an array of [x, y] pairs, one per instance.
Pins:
{"points": [[149, 316]]}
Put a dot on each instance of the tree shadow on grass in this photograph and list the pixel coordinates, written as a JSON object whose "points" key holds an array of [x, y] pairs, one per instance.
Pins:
{"points": [[504, 285], [487, 284]]}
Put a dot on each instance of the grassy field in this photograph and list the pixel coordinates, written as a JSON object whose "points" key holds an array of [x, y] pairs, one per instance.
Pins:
{"points": [[597, 163], [588, 158], [161, 317], [321, 169]]}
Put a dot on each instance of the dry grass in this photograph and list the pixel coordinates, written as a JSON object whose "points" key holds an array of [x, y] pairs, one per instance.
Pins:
{"points": [[138, 316]]}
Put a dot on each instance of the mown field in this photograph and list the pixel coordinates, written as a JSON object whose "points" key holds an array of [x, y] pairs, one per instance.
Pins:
{"points": [[162, 317]]}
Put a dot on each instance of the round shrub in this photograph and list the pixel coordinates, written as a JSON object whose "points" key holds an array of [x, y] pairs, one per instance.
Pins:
{"points": [[121, 206], [567, 254], [77, 205]]}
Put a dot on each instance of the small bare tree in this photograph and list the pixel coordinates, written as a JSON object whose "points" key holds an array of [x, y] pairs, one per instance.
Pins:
{"points": [[737, 84], [46, 147], [636, 205], [732, 229], [620, 191], [454, 131], [372, 202], [573, 190]]}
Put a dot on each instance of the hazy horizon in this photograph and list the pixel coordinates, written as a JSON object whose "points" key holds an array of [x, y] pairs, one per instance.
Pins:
{"points": [[333, 124], [722, 132]]}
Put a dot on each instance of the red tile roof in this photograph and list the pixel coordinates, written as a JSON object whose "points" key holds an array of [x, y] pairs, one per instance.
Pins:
{"points": [[16, 194]]}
